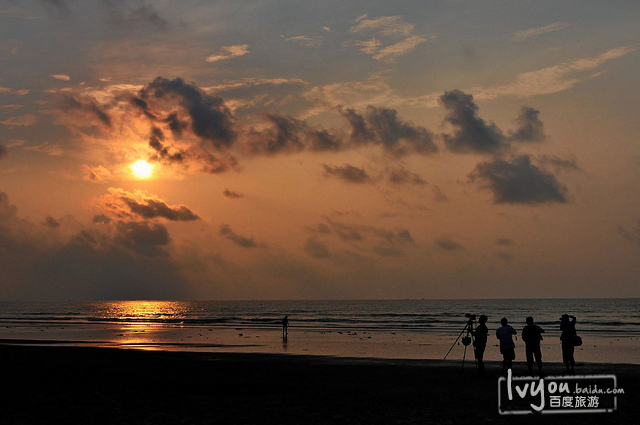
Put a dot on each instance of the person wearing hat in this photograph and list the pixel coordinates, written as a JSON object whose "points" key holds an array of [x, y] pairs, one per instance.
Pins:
{"points": [[568, 328], [480, 343]]}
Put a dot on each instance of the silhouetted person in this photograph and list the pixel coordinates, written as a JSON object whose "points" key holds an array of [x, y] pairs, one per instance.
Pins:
{"points": [[507, 346], [532, 335], [481, 332], [285, 327], [568, 328]]}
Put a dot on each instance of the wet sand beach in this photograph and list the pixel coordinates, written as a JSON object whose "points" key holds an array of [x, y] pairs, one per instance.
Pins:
{"points": [[86, 385]]}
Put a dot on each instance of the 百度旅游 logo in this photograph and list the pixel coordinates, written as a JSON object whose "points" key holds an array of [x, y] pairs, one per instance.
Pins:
{"points": [[557, 394]]}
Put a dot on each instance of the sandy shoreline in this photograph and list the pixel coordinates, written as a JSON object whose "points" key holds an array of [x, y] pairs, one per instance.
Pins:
{"points": [[67, 385], [354, 342]]}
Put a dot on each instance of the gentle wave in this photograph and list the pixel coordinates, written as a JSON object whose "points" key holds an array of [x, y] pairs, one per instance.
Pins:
{"points": [[613, 316]]}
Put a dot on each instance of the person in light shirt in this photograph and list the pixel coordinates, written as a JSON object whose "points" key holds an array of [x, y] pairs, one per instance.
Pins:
{"points": [[507, 347]]}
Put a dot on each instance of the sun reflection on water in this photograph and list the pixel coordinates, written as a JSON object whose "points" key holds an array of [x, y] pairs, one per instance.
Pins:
{"points": [[143, 324], [145, 312]]}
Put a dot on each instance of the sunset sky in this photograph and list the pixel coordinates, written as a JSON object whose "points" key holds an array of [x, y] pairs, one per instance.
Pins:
{"points": [[312, 150]]}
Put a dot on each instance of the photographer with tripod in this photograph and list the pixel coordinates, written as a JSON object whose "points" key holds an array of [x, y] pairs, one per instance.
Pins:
{"points": [[481, 331]]}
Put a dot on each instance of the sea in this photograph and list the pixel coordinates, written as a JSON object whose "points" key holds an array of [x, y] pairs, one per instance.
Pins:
{"points": [[412, 328]]}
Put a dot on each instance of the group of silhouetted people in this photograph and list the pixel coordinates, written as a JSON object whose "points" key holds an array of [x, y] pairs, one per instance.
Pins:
{"points": [[531, 335]]}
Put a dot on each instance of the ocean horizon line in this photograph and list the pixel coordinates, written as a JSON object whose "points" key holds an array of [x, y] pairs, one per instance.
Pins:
{"points": [[310, 300]]}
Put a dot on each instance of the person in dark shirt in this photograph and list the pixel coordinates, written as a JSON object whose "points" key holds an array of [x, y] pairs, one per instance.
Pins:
{"points": [[480, 343], [568, 328], [507, 346], [532, 335]]}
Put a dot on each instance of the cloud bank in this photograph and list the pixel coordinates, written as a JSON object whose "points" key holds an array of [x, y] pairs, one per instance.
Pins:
{"points": [[518, 181]]}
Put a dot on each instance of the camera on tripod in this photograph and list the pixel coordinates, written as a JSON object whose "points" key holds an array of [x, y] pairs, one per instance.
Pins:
{"points": [[468, 339]]}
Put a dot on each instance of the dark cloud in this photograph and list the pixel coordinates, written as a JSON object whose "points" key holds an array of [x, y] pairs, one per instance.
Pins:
{"points": [[403, 236], [517, 181], [143, 106], [210, 163], [320, 228], [182, 108], [530, 129], [156, 142], [85, 105], [316, 249], [382, 126], [388, 251], [101, 218], [345, 232], [7, 210], [51, 222], [360, 130], [125, 204], [473, 134], [632, 234], [355, 232], [448, 244], [119, 261], [393, 247], [208, 117], [286, 134], [386, 243], [400, 236], [323, 140], [570, 164], [401, 176], [191, 158], [175, 125], [504, 242], [143, 238], [347, 173], [127, 17], [3, 151], [377, 126], [92, 267], [504, 256], [438, 196], [323, 228], [150, 208], [244, 242], [231, 194]]}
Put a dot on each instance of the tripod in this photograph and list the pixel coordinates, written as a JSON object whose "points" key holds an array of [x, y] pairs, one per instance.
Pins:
{"points": [[466, 340]]}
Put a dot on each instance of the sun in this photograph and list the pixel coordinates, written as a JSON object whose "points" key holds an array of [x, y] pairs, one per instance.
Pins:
{"points": [[141, 169]]}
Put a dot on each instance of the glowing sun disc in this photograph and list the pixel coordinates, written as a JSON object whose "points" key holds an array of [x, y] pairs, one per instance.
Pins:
{"points": [[141, 169]]}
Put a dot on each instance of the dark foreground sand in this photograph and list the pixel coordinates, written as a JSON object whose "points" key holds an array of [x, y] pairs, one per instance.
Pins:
{"points": [[78, 385]]}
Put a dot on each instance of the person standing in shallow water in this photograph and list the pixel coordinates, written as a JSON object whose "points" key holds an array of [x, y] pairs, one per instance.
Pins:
{"points": [[507, 346], [568, 328], [481, 332], [285, 327], [532, 335]]}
